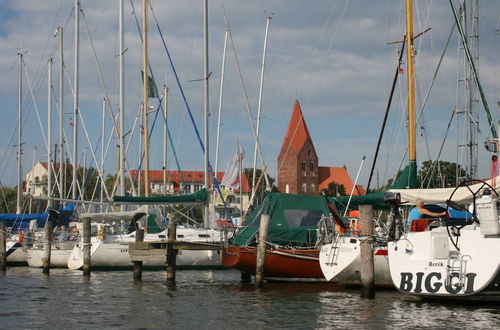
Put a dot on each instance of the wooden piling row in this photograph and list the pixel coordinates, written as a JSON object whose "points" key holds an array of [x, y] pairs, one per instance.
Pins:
{"points": [[47, 248], [86, 246], [366, 251], [3, 247], [171, 251], [139, 237], [261, 249]]}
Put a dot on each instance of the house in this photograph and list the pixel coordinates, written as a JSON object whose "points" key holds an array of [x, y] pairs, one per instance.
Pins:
{"points": [[36, 180], [192, 181], [298, 163]]}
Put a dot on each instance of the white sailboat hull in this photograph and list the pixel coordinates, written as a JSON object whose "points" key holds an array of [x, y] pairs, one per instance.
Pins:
{"points": [[344, 266], [15, 253], [112, 252], [59, 255], [428, 264]]}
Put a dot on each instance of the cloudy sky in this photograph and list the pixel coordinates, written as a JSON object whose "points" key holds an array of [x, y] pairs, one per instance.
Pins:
{"points": [[332, 55]]}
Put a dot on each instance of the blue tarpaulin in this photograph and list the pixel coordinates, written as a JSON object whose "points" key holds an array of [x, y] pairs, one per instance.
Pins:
{"points": [[21, 221]]}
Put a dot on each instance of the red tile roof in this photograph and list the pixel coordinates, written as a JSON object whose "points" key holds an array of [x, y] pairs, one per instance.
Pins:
{"points": [[188, 177], [297, 133], [341, 176], [44, 164]]}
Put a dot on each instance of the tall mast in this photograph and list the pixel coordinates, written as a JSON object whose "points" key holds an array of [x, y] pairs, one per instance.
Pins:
{"points": [[19, 134], [145, 95], [165, 138], [121, 144], [221, 96], [75, 99], [411, 83], [260, 103], [206, 217], [472, 89], [61, 113], [49, 137], [103, 134]]}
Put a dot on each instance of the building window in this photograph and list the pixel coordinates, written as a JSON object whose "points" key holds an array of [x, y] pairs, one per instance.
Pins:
{"points": [[287, 189], [313, 188], [304, 188], [309, 153], [303, 168]]}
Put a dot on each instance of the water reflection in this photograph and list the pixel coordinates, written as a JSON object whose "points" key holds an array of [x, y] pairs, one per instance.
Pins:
{"points": [[213, 299]]}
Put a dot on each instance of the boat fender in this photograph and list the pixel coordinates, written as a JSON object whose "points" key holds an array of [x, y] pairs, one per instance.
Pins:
{"points": [[21, 238]]}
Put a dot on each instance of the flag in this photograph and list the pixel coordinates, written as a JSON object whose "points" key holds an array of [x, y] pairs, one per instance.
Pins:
{"points": [[231, 177], [152, 90], [401, 70], [218, 199]]}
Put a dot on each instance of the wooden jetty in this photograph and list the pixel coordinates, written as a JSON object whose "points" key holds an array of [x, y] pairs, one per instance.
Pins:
{"points": [[141, 251]]}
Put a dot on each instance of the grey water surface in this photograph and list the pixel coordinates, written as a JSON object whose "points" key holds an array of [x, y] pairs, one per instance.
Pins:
{"points": [[214, 299]]}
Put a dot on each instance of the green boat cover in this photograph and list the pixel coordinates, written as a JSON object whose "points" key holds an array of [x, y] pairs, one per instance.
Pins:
{"points": [[408, 178], [375, 199], [293, 221], [197, 197]]}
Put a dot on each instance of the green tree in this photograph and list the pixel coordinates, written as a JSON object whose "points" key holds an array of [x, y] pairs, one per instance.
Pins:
{"points": [[8, 199], [262, 185], [334, 189], [440, 174]]}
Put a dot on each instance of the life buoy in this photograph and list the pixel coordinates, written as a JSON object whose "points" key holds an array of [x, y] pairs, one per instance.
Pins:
{"points": [[21, 238]]}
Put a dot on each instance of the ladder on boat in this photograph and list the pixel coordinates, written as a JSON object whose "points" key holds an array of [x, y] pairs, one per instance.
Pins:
{"points": [[333, 254], [456, 270]]}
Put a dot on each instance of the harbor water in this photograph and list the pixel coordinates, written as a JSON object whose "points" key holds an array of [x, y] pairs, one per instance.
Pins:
{"points": [[213, 299]]}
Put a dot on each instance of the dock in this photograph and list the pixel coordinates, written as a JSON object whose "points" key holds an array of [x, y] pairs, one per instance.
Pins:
{"points": [[147, 251]]}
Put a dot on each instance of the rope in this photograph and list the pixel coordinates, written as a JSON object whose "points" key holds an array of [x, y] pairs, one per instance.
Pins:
{"points": [[210, 169], [160, 103]]}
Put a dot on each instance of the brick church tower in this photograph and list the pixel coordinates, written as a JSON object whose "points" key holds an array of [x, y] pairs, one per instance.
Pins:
{"points": [[297, 160]]}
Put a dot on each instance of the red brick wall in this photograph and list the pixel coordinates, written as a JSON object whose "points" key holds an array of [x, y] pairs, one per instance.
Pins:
{"points": [[291, 172]]}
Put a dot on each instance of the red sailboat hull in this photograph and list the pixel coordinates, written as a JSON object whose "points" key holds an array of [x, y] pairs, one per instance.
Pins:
{"points": [[280, 264]]}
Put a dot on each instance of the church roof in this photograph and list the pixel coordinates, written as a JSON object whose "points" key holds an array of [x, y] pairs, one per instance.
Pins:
{"points": [[297, 133], [341, 176]]}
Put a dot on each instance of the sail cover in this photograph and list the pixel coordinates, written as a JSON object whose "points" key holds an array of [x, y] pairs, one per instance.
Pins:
{"points": [[463, 195], [197, 197], [293, 223]]}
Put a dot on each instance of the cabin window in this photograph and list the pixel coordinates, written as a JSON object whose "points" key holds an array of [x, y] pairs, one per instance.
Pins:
{"points": [[203, 235], [180, 236], [304, 188], [302, 218]]}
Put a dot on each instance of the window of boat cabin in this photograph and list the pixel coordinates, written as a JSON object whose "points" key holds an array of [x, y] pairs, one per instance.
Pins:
{"points": [[302, 218]]}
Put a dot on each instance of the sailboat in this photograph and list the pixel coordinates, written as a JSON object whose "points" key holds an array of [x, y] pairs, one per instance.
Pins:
{"points": [[292, 253], [452, 257]]}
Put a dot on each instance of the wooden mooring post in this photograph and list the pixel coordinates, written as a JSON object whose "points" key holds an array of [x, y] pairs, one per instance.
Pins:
{"points": [[139, 237], [171, 252], [3, 248], [366, 251], [261, 250], [47, 246], [86, 246]]}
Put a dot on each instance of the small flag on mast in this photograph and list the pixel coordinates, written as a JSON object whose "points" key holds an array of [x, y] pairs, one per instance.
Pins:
{"points": [[152, 90]]}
